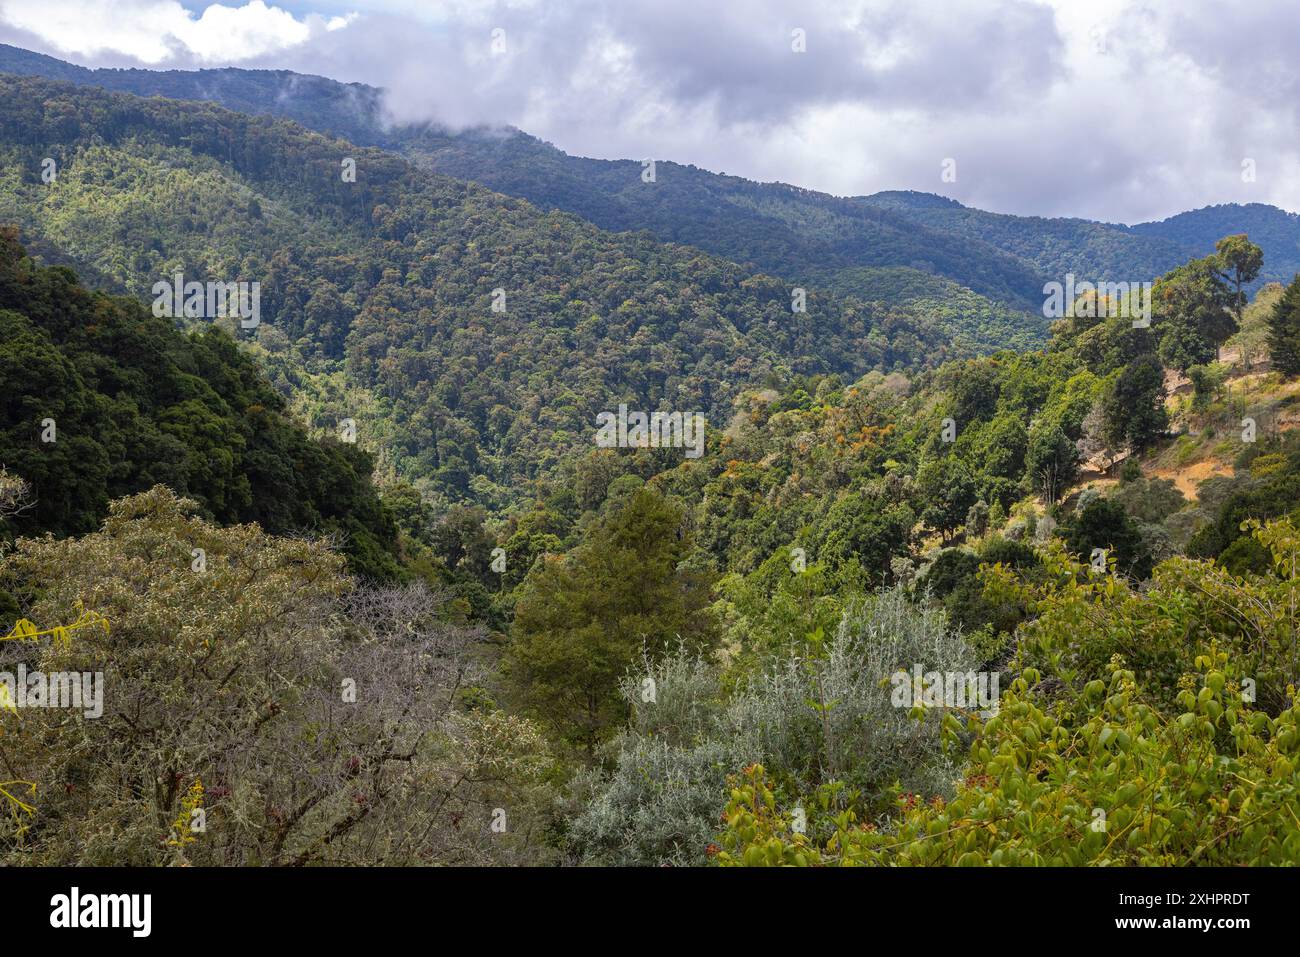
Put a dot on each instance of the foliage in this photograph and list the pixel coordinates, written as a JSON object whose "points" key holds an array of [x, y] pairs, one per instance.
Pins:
{"points": [[821, 713], [581, 620], [658, 622], [1134, 408], [1268, 487], [1284, 330], [1186, 755], [1103, 524], [1104, 780], [390, 281], [101, 399], [236, 676], [1192, 304]]}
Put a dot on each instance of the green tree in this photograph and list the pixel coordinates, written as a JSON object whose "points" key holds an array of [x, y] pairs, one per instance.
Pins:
{"points": [[1052, 461], [1134, 408], [583, 620], [1251, 340], [1193, 312], [870, 528], [1104, 524], [1207, 382], [1284, 331], [1239, 262], [946, 492]]}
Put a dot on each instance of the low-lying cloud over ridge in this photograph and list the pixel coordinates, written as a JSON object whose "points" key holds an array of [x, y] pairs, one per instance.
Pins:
{"points": [[1114, 110]]}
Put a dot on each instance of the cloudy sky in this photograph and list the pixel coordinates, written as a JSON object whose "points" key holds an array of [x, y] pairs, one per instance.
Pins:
{"points": [[1109, 109]]}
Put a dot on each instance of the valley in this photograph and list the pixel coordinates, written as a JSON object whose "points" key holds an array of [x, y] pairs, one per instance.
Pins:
{"points": [[448, 499]]}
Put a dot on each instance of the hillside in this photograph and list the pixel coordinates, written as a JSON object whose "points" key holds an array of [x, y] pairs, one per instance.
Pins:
{"points": [[800, 235], [791, 232], [348, 110], [1092, 249], [1052, 247], [727, 216], [436, 499], [390, 282], [102, 399], [1275, 230]]}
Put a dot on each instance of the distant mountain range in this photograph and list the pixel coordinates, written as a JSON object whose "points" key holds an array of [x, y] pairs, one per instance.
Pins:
{"points": [[471, 336], [894, 246]]}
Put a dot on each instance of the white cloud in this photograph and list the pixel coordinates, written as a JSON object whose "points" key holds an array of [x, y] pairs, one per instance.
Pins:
{"points": [[1116, 109], [155, 32]]}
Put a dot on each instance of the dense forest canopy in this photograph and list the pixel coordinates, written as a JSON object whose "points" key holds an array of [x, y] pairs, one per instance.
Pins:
{"points": [[995, 264], [101, 399], [445, 308], [374, 587]]}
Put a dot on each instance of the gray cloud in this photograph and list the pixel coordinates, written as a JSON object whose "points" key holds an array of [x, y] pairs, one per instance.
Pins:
{"points": [[1120, 110]]}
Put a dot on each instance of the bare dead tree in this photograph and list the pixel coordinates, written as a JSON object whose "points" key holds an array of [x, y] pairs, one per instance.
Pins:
{"points": [[394, 771], [15, 495]]}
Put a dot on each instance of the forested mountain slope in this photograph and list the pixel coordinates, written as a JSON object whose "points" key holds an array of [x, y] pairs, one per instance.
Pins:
{"points": [[788, 230], [348, 110], [770, 227], [861, 508], [479, 335], [1051, 246], [1275, 230], [801, 235], [1111, 251], [783, 229], [102, 399]]}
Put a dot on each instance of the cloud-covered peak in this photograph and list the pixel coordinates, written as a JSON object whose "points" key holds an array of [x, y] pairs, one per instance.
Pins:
{"points": [[1112, 110]]}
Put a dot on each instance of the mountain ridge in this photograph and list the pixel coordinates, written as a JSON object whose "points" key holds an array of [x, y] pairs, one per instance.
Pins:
{"points": [[799, 234], [377, 296]]}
